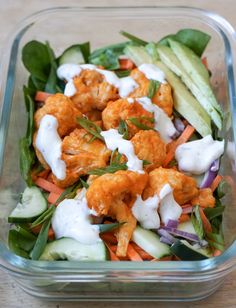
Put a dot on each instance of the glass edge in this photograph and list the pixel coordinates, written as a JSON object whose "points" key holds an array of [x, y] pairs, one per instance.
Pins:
{"points": [[227, 259]]}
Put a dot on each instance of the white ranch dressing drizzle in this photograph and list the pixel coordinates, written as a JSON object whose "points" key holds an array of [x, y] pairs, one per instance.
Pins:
{"points": [[163, 123], [48, 142], [114, 141], [145, 211], [72, 219], [169, 208], [68, 71], [196, 157], [151, 71]]}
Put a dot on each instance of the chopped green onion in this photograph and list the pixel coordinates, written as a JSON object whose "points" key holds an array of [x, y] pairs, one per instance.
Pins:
{"points": [[133, 38], [137, 123], [90, 127], [153, 87], [109, 169], [123, 129]]}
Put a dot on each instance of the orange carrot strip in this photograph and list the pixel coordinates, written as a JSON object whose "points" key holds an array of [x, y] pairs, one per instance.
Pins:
{"points": [[186, 134], [109, 238], [184, 217], [143, 254], [206, 224], [48, 186], [217, 253], [112, 254], [41, 96], [126, 64], [216, 182], [37, 229], [132, 254], [52, 197]]}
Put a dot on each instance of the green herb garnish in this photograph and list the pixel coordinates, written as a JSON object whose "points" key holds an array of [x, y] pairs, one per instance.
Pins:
{"points": [[123, 129], [109, 169], [197, 222], [153, 87], [137, 123], [133, 38], [90, 127]]}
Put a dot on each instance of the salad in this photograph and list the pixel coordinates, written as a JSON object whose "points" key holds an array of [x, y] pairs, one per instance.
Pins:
{"points": [[122, 152]]}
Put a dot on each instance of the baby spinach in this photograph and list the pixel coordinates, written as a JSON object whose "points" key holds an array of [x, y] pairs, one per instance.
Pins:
{"points": [[192, 38]]}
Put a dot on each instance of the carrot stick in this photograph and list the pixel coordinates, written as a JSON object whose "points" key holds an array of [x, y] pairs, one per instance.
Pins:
{"points": [[184, 217], [52, 197], [132, 254], [216, 182], [37, 229], [109, 238], [51, 234], [217, 253], [186, 134], [126, 64], [112, 254], [41, 96], [204, 62], [206, 224], [48, 186], [143, 254]]}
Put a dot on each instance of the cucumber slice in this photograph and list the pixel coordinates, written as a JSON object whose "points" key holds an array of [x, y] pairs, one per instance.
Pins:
{"points": [[186, 252], [31, 206], [72, 55], [186, 227], [72, 250], [184, 102], [172, 62], [150, 242]]}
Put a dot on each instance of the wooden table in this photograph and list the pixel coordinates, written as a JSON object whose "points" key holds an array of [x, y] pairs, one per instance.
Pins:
{"points": [[11, 11]]}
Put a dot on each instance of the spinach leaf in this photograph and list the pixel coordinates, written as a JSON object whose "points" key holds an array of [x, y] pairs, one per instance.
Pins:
{"points": [[122, 73], [51, 85], [36, 59], [27, 158], [214, 212], [192, 38], [20, 242], [41, 241], [108, 56]]}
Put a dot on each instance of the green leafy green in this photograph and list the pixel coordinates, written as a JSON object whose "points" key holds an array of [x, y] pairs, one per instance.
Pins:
{"points": [[153, 87], [51, 85], [41, 241], [214, 212], [197, 222], [123, 129], [108, 56], [90, 127], [222, 189], [27, 158], [134, 39], [137, 123], [192, 38]]}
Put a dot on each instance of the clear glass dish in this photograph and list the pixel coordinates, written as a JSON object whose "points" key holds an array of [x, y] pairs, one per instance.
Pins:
{"points": [[113, 280]]}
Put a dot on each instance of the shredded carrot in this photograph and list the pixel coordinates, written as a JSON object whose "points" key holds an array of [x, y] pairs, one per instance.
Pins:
{"points": [[37, 229], [49, 177], [52, 197], [48, 186], [109, 238], [143, 254], [186, 134], [206, 224], [43, 174], [216, 182], [184, 218], [126, 64], [112, 254], [41, 96], [217, 253], [133, 254]]}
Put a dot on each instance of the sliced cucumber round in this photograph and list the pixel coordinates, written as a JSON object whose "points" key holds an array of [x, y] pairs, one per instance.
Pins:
{"points": [[186, 252], [72, 55], [31, 206], [150, 242], [72, 250]]}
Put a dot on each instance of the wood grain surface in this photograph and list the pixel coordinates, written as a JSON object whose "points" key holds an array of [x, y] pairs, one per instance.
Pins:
{"points": [[12, 11]]}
